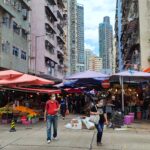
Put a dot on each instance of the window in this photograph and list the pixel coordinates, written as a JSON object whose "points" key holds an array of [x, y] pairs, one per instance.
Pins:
{"points": [[23, 55], [6, 21], [24, 34], [15, 51], [5, 46], [24, 14], [16, 28]]}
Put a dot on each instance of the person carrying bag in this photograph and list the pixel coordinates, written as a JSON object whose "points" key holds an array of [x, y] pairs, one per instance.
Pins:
{"points": [[99, 110], [95, 117]]}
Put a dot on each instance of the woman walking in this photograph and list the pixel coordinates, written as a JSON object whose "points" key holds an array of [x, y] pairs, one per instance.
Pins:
{"points": [[63, 106], [99, 109]]}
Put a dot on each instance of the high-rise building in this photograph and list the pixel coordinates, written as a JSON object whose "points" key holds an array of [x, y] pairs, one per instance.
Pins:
{"points": [[118, 33], [88, 53], [95, 63], [75, 37], [72, 42], [106, 44], [80, 38], [66, 49], [114, 56], [14, 33], [134, 34], [48, 20]]}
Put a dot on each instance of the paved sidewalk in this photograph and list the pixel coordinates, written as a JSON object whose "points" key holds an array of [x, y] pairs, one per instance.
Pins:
{"points": [[35, 138]]}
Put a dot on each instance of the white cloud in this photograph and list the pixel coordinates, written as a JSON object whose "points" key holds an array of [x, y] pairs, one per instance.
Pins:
{"points": [[94, 11], [88, 46]]}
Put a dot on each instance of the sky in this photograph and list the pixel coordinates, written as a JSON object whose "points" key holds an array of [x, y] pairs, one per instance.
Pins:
{"points": [[94, 11]]}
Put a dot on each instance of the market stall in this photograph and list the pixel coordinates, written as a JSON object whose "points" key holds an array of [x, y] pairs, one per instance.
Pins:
{"points": [[27, 107]]}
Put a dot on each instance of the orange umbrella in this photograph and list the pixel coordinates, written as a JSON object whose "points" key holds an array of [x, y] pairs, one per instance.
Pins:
{"points": [[8, 74]]}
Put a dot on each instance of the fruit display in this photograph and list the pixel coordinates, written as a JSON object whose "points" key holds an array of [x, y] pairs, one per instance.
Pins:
{"points": [[7, 109], [30, 112]]}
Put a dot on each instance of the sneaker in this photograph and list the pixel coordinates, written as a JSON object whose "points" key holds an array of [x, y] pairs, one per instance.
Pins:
{"points": [[55, 138], [48, 141], [99, 144]]}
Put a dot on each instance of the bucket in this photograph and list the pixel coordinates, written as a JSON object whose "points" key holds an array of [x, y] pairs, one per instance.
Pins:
{"points": [[132, 116], [139, 115], [127, 119]]}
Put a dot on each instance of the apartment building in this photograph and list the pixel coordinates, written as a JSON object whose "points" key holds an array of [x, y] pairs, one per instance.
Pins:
{"points": [[133, 36], [48, 20], [95, 63], [14, 35], [88, 54]]}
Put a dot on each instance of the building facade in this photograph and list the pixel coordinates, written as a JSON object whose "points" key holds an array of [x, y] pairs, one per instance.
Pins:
{"points": [[48, 38], [118, 32], [88, 53], [80, 38], [14, 33], [106, 44], [135, 34], [72, 32], [75, 37], [95, 63]]}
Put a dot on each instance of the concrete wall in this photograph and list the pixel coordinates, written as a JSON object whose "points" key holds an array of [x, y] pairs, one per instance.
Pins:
{"points": [[144, 19]]}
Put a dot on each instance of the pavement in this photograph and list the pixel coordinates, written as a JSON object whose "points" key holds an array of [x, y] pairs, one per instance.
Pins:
{"points": [[136, 137]]}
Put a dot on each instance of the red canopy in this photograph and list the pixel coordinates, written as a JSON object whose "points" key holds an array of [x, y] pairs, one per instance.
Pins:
{"points": [[147, 70], [38, 90], [7, 74], [25, 79]]}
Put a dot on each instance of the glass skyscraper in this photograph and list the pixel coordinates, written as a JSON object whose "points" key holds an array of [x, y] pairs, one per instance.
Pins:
{"points": [[80, 38], [106, 45]]}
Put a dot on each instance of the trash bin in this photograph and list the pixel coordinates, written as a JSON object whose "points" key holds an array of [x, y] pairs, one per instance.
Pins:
{"points": [[127, 120], [139, 115]]}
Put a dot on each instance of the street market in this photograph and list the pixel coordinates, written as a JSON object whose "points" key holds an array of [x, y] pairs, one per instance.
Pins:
{"points": [[26, 105]]}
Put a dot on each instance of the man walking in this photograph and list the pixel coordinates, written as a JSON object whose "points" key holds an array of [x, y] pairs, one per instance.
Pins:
{"points": [[50, 115]]}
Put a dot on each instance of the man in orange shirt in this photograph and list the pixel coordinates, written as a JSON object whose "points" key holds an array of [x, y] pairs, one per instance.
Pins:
{"points": [[51, 110]]}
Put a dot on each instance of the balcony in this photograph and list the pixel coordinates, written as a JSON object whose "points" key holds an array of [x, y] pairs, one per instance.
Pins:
{"points": [[132, 26], [60, 56], [49, 13], [52, 2], [60, 39], [49, 62], [49, 47], [25, 2], [60, 14], [60, 4], [60, 28], [49, 29]]}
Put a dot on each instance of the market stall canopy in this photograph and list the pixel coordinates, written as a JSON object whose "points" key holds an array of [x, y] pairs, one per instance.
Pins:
{"points": [[147, 70], [131, 74], [8, 74], [48, 91], [26, 79], [86, 75]]}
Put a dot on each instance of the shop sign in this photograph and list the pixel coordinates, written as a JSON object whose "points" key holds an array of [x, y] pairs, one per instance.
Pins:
{"points": [[106, 84]]}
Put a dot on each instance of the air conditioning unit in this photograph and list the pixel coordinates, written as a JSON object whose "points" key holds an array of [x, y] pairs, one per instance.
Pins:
{"points": [[7, 1]]}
